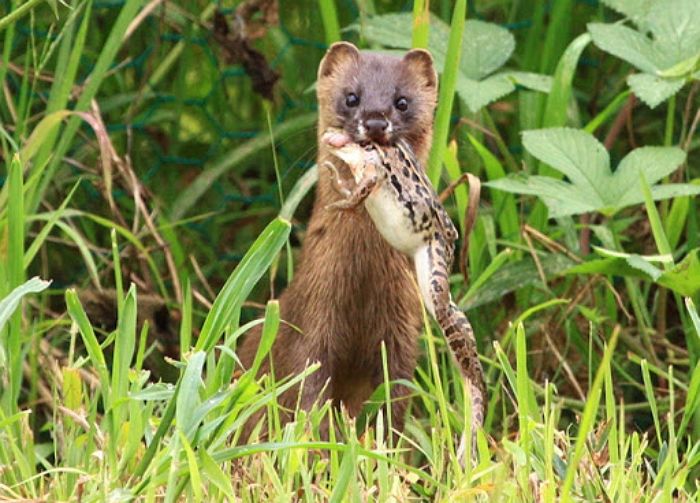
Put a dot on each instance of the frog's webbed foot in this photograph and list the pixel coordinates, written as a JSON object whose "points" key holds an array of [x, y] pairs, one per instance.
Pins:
{"points": [[341, 186], [337, 182], [362, 190]]}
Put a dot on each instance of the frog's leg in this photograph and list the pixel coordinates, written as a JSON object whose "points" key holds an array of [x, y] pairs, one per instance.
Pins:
{"points": [[363, 188], [432, 274]]}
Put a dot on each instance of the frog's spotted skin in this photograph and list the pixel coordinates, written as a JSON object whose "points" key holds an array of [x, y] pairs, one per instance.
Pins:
{"points": [[405, 209]]}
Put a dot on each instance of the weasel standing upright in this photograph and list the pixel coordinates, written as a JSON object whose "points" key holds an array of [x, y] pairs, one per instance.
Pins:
{"points": [[352, 290], [406, 210]]}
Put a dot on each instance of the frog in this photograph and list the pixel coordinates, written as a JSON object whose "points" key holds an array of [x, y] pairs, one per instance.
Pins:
{"points": [[401, 201]]}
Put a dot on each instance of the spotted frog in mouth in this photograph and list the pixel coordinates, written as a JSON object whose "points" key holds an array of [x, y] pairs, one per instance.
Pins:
{"points": [[407, 212]]}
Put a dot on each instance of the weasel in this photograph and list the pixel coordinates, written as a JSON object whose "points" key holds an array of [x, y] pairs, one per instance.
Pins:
{"points": [[406, 210], [352, 290]]}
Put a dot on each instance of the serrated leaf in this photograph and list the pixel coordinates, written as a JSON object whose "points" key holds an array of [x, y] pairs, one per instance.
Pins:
{"points": [[560, 197], [675, 27], [477, 94], [574, 153], [485, 48], [652, 89], [655, 162], [592, 186], [534, 81], [625, 43], [667, 57]]}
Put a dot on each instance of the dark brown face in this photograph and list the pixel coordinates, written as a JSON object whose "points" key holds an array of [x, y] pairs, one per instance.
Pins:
{"points": [[376, 97]]}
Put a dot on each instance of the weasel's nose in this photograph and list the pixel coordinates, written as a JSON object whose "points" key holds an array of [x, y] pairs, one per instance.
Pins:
{"points": [[376, 127]]}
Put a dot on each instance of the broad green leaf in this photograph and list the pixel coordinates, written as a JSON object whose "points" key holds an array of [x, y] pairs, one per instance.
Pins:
{"points": [[534, 81], [681, 69], [666, 48], [639, 263], [653, 90], [485, 48], [592, 186], [654, 162], [625, 43], [477, 94], [671, 190], [675, 27], [574, 153], [560, 197], [614, 266]]}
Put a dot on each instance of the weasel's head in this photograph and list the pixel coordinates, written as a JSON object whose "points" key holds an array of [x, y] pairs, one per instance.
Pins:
{"points": [[378, 98]]}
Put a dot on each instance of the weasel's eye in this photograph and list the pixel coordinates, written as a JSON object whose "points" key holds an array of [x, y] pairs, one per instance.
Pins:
{"points": [[401, 104], [352, 100]]}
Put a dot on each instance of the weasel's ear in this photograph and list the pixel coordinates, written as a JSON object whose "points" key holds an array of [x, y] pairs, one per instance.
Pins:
{"points": [[338, 55], [421, 62]]}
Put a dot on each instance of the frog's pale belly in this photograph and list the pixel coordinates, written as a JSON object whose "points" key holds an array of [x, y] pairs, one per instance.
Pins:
{"points": [[393, 220]]}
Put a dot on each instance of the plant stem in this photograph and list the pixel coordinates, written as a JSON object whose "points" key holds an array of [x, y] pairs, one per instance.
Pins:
{"points": [[447, 92], [670, 112], [421, 24], [329, 15], [18, 12]]}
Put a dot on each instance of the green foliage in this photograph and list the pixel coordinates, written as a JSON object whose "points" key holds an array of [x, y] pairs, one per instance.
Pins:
{"points": [[140, 165], [593, 186], [668, 59], [683, 278]]}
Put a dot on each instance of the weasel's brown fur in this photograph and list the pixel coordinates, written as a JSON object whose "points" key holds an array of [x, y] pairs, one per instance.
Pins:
{"points": [[351, 290]]}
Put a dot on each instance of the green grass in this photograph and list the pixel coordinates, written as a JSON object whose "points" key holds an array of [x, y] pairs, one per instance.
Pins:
{"points": [[161, 199]]}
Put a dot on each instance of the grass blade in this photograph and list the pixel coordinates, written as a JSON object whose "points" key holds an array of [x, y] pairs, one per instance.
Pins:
{"points": [[92, 345], [256, 261], [329, 16], [589, 414], [447, 92], [15, 243], [421, 24]]}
